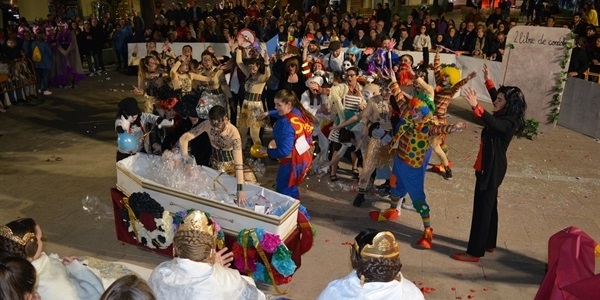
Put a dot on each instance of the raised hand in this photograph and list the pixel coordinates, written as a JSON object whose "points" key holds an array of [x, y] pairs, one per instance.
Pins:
{"points": [[459, 127], [166, 47], [471, 97], [472, 75], [486, 72], [231, 42], [392, 44]]}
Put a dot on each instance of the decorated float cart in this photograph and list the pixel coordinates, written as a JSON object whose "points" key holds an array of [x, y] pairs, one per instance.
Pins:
{"points": [[154, 193]]}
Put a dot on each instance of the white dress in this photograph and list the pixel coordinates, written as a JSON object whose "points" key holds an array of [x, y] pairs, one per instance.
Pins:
{"points": [[349, 288], [182, 278]]}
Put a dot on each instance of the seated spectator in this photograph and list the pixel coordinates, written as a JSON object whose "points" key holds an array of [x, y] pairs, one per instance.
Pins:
{"points": [[130, 287], [480, 45], [198, 271], [497, 47], [579, 60], [17, 279], [375, 258], [405, 43]]}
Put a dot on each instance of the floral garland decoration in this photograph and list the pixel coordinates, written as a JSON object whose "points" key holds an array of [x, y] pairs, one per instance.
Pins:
{"points": [[250, 257], [133, 207], [166, 224], [560, 82]]}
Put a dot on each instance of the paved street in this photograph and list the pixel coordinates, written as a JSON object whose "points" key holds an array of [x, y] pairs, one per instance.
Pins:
{"points": [[54, 155]]}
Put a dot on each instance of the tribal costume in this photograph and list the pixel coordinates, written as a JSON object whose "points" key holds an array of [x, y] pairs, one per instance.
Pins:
{"points": [[252, 107]]}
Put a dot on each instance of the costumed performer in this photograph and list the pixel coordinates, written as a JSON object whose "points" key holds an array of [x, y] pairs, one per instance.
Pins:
{"points": [[316, 104], [182, 78], [226, 147], [378, 130], [252, 106], [186, 108], [217, 85], [130, 119], [447, 84], [151, 80], [375, 257], [70, 69], [411, 144], [198, 271], [506, 121], [292, 134], [17, 279], [344, 101]]}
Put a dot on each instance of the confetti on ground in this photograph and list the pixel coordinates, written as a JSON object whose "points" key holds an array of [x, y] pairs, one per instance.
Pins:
{"points": [[472, 291], [326, 241], [470, 296], [453, 289], [459, 274], [347, 243], [485, 289]]}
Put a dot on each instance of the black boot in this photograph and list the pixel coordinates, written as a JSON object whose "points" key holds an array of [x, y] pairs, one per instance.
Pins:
{"points": [[358, 201]]}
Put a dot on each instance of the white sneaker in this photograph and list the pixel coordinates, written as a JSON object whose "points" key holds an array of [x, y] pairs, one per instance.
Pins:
{"points": [[92, 74], [407, 206], [47, 93]]}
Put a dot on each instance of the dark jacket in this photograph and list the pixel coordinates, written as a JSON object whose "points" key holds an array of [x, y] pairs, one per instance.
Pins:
{"points": [[495, 139], [579, 62]]}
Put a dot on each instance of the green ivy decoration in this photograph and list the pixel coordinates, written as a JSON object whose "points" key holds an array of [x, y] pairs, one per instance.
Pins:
{"points": [[531, 129], [511, 46], [558, 89]]}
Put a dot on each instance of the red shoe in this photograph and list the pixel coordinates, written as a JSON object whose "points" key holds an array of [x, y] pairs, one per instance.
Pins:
{"points": [[390, 214], [490, 250], [465, 257], [426, 240], [438, 169]]}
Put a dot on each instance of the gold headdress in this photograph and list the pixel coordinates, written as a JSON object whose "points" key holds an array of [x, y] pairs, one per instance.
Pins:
{"points": [[384, 246], [198, 221], [7, 233]]}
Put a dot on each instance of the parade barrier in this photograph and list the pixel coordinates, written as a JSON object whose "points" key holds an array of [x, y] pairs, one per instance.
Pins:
{"points": [[15, 75], [580, 108]]}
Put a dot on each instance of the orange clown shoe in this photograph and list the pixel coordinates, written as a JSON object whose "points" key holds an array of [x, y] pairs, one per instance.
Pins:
{"points": [[390, 214], [426, 240]]}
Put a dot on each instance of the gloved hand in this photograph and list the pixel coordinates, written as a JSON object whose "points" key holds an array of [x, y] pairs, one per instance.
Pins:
{"points": [[165, 123], [125, 123]]}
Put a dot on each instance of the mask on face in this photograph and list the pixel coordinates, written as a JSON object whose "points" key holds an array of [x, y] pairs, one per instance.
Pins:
{"points": [[346, 65]]}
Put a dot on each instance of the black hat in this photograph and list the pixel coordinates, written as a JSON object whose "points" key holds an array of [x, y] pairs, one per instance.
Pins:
{"points": [[129, 107]]}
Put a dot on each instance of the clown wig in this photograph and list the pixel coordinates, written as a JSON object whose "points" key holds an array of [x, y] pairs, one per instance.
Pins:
{"points": [[453, 74]]}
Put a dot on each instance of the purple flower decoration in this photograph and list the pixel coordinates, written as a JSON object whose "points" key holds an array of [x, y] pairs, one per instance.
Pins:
{"points": [[270, 242]]}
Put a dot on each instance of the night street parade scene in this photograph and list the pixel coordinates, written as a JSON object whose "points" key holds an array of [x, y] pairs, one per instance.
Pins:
{"points": [[299, 150]]}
